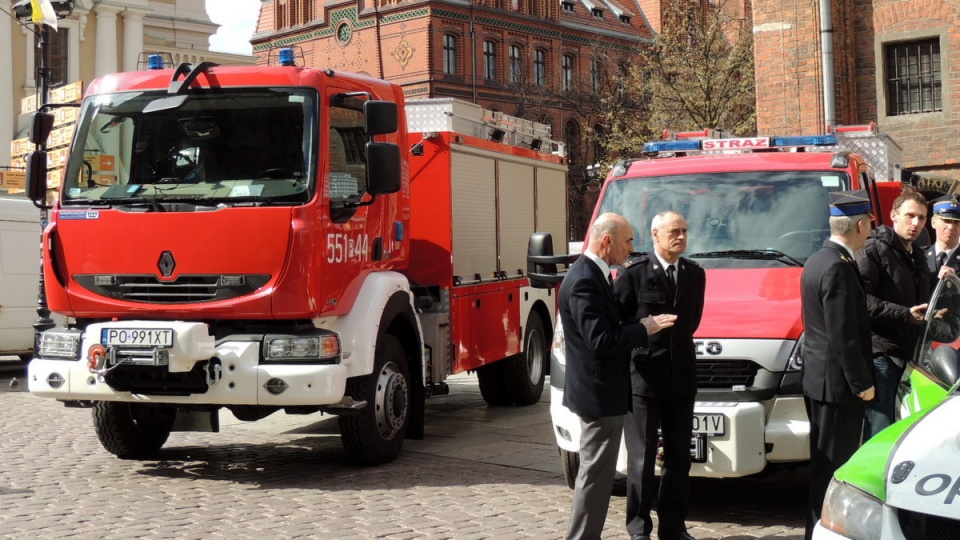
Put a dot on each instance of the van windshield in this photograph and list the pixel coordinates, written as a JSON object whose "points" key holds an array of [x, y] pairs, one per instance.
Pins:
{"points": [[224, 147], [741, 219]]}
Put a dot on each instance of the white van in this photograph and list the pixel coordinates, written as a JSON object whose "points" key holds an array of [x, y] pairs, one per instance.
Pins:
{"points": [[19, 274]]}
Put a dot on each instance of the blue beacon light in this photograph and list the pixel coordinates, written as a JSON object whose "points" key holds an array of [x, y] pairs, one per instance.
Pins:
{"points": [[286, 57]]}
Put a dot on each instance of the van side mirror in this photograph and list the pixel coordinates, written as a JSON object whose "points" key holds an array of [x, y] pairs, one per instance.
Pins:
{"points": [[383, 168], [37, 178], [380, 117], [41, 128], [945, 365]]}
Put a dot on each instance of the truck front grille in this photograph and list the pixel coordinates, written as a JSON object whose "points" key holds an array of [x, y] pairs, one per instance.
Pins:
{"points": [[186, 289], [725, 373], [917, 526]]}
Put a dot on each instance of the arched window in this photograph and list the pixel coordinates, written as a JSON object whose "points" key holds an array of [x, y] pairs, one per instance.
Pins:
{"points": [[516, 64], [539, 67], [450, 54], [571, 138], [566, 72], [490, 60]]}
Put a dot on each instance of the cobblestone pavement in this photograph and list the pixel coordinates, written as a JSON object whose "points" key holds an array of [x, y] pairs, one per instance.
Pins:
{"points": [[481, 472]]}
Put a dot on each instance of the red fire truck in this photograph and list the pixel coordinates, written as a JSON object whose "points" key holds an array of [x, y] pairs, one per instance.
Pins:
{"points": [[286, 238], [756, 209]]}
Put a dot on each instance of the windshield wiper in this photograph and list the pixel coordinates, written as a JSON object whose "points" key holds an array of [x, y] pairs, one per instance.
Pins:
{"points": [[764, 254]]}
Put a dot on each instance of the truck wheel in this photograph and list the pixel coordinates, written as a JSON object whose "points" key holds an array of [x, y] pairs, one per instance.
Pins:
{"points": [[375, 434], [132, 430], [524, 373], [570, 463], [492, 384]]}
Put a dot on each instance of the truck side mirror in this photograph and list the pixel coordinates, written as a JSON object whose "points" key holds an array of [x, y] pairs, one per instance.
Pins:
{"points": [[37, 178], [41, 128], [542, 263], [383, 168], [380, 117]]}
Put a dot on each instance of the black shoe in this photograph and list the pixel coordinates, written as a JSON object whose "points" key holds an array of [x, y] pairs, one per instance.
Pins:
{"points": [[640, 537]]}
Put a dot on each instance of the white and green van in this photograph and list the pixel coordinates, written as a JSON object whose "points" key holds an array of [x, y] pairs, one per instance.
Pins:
{"points": [[904, 483]]}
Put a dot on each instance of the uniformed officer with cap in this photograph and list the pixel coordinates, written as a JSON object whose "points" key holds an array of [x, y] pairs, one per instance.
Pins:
{"points": [[837, 372], [946, 222]]}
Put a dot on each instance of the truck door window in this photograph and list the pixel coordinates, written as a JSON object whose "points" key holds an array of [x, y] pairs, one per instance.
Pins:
{"points": [[346, 151], [346, 143]]}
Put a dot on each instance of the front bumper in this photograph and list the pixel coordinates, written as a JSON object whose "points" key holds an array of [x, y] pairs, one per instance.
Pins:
{"points": [[741, 450], [241, 378]]}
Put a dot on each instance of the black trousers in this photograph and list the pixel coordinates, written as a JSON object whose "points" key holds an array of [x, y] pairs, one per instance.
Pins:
{"points": [[835, 431], [674, 417]]}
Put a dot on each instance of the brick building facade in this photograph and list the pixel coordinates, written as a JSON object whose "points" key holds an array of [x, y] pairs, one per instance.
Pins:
{"points": [[537, 59], [895, 63]]}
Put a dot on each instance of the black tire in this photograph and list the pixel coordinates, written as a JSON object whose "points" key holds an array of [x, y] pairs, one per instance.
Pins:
{"points": [[524, 373], [570, 463], [374, 435], [132, 430], [493, 385]]}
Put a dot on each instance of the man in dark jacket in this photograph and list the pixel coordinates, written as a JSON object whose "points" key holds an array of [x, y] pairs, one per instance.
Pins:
{"points": [[897, 282], [837, 372], [598, 339], [664, 379]]}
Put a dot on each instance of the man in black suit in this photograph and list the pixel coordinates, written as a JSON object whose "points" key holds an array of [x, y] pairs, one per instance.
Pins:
{"points": [[946, 223], [598, 341], [663, 378], [837, 372]]}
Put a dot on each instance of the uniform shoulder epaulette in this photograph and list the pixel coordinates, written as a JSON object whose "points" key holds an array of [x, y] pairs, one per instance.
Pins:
{"points": [[691, 261], [636, 257]]}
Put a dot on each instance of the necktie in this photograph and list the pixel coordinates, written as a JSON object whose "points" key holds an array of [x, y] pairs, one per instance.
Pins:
{"points": [[610, 280], [941, 259], [672, 274]]}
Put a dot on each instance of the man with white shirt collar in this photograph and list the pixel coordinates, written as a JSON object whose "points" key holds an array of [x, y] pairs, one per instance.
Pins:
{"points": [[663, 379], [946, 223]]}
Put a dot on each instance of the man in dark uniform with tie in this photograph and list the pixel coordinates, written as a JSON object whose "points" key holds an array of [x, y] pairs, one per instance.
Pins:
{"points": [[598, 339], [664, 379], [946, 223], [837, 372]]}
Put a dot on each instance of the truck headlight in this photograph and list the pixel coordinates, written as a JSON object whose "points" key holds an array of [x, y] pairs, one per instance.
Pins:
{"points": [[320, 347], [558, 343], [851, 512], [796, 356], [60, 344]]}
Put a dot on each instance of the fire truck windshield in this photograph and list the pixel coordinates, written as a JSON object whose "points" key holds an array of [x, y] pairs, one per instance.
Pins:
{"points": [[254, 145], [741, 219]]}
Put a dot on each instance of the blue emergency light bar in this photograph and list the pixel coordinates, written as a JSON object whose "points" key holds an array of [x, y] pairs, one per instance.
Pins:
{"points": [[743, 144], [671, 146], [808, 140]]}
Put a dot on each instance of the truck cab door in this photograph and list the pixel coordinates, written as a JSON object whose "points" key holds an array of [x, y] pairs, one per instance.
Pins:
{"points": [[352, 231]]}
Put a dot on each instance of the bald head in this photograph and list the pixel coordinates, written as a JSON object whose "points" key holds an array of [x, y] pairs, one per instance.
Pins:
{"points": [[611, 238]]}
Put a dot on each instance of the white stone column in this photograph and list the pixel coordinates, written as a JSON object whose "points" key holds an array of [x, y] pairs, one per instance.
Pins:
{"points": [[9, 101], [106, 45], [132, 38]]}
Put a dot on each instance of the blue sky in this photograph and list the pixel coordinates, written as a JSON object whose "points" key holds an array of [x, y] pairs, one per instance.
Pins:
{"points": [[237, 20]]}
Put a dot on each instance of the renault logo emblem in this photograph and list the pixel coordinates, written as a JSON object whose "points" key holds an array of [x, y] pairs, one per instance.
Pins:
{"points": [[166, 264]]}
